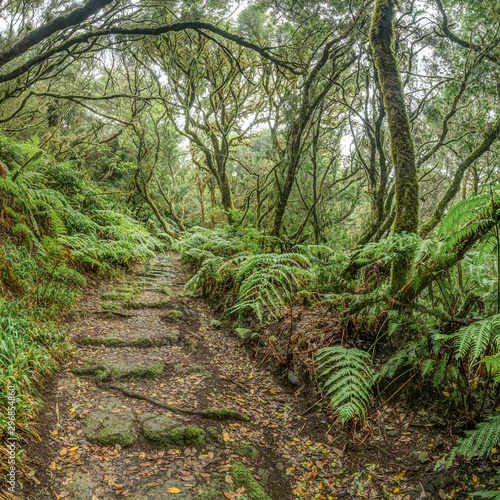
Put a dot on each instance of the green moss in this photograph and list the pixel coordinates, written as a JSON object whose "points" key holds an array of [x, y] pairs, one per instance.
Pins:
{"points": [[166, 290], [174, 315], [117, 296], [224, 413], [106, 306], [117, 432], [136, 372], [132, 304], [166, 431], [245, 450], [215, 434], [108, 342], [143, 342], [243, 477], [127, 289], [304, 296]]}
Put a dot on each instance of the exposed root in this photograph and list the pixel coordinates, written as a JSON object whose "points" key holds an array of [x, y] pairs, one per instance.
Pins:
{"points": [[103, 374]]}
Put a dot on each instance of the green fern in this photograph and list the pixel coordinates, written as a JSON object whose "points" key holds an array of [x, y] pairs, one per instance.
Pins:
{"points": [[478, 442], [473, 341], [346, 380], [268, 281]]}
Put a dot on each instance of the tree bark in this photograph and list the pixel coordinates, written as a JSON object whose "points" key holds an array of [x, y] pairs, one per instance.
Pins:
{"points": [[402, 147]]}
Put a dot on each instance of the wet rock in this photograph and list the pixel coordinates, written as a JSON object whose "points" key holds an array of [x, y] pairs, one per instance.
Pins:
{"points": [[393, 433]]}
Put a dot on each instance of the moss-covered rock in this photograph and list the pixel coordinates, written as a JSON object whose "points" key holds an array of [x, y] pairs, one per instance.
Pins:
{"points": [[110, 306], [243, 477], [144, 342], [215, 434], [245, 450], [167, 431], [174, 315], [133, 304], [224, 413], [125, 370], [111, 428], [118, 430], [107, 341]]}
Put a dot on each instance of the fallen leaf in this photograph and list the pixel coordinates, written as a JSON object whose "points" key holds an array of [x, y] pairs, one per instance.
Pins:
{"points": [[173, 490], [226, 436]]}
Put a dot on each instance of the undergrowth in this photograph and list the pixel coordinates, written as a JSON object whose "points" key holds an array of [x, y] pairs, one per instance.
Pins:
{"points": [[56, 228]]}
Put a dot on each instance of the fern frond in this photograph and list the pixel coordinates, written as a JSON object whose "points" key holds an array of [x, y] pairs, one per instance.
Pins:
{"points": [[347, 378]]}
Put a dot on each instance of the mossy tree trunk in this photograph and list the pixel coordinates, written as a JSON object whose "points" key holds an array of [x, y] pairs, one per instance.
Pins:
{"points": [[402, 147]]}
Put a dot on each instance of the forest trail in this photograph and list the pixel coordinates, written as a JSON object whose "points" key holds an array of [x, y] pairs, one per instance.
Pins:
{"points": [[147, 338]]}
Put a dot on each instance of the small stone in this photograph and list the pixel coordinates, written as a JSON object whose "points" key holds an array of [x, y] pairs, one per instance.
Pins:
{"points": [[294, 380], [438, 441], [393, 433], [422, 457]]}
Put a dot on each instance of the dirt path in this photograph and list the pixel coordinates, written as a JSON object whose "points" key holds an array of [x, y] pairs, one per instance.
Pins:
{"points": [[146, 339]]}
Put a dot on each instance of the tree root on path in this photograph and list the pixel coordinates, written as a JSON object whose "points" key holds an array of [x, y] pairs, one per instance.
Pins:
{"points": [[102, 374]]}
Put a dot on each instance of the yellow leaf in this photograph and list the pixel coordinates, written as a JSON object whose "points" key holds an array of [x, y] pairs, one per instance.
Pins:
{"points": [[52, 465], [63, 452], [447, 394], [173, 490], [226, 436], [399, 476], [396, 490], [474, 478], [494, 450], [142, 454], [73, 449], [72, 410]]}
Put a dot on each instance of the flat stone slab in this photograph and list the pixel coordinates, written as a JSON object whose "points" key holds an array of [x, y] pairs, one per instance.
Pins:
{"points": [[110, 424]]}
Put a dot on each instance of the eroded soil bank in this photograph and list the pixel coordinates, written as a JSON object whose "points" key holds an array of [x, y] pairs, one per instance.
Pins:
{"points": [[158, 403]]}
